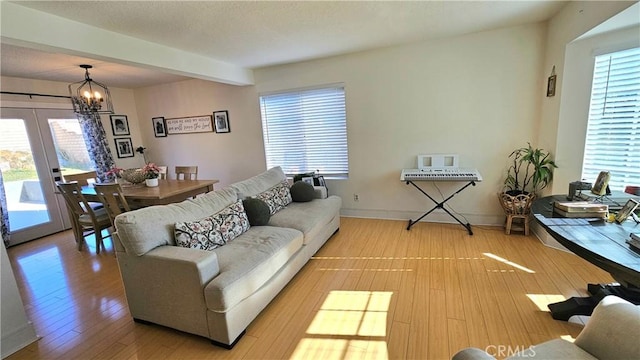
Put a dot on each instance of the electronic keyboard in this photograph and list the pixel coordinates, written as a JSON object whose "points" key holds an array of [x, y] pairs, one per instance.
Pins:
{"points": [[441, 174]]}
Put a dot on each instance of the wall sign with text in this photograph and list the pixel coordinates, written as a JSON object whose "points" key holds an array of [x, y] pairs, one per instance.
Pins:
{"points": [[191, 124]]}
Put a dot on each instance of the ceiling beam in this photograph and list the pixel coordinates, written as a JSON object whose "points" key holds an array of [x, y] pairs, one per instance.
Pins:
{"points": [[38, 30]]}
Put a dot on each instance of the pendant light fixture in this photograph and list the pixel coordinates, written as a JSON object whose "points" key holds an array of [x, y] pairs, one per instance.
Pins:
{"points": [[89, 96]]}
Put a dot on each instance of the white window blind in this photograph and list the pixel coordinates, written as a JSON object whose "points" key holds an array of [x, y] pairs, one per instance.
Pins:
{"points": [[613, 131], [306, 131]]}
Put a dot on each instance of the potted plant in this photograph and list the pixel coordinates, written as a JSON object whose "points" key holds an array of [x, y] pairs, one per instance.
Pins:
{"points": [[531, 170], [151, 173]]}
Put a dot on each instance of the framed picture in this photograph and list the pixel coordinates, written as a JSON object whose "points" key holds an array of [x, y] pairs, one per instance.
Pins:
{"points": [[308, 180], [551, 86], [159, 126], [120, 125], [189, 124], [626, 210], [601, 184], [221, 120], [318, 180], [124, 147]]}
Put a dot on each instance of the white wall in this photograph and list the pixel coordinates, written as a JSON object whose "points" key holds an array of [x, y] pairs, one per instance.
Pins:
{"points": [[17, 330], [476, 95], [228, 157]]}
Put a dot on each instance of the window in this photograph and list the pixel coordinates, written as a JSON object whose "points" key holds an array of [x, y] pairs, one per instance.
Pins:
{"points": [[613, 131], [306, 131]]}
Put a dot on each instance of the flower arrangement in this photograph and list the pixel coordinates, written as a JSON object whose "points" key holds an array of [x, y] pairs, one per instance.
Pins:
{"points": [[115, 172], [151, 171]]}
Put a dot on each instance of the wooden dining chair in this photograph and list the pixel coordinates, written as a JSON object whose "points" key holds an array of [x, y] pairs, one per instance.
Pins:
{"points": [[113, 199], [84, 218], [187, 172], [81, 178], [163, 172]]}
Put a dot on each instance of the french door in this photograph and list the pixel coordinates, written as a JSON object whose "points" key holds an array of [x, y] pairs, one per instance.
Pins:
{"points": [[33, 145]]}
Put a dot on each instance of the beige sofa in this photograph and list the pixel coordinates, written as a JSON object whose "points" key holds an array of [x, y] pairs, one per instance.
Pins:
{"points": [[610, 333], [216, 294]]}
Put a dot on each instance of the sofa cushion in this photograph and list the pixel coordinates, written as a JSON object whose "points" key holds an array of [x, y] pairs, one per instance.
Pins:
{"points": [[553, 349], [257, 211], [213, 231], [302, 192], [248, 262], [145, 229], [276, 197], [259, 183], [309, 217]]}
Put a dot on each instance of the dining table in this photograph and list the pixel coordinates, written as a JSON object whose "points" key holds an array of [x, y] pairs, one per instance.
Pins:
{"points": [[167, 192]]}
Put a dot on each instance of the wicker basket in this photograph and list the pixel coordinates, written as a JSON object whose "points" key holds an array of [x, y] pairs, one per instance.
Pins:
{"points": [[516, 205], [134, 176]]}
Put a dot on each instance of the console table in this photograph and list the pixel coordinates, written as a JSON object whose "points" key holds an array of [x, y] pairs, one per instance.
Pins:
{"points": [[595, 240]]}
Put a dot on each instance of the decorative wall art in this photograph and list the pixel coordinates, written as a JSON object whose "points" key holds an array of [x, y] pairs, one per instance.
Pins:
{"points": [[119, 125], [551, 83], [124, 147], [186, 125], [159, 127], [222, 121]]}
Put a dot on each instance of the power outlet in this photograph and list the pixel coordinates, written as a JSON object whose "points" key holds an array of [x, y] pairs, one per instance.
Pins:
{"points": [[356, 197]]}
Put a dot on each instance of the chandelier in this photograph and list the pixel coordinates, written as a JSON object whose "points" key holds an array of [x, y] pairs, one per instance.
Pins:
{"points": [[90, 96]]}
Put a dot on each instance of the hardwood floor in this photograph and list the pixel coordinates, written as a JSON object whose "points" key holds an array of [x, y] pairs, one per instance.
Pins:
{"points": [[375, 290]]}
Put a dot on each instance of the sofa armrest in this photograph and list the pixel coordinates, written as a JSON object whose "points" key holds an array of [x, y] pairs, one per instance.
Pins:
{"points": [[472, 354], [185, 262], [611, 332], [165, 286], [320, 192]]}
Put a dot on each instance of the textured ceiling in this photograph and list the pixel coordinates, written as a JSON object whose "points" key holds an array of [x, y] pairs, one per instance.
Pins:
{"points": [[257, 34]]}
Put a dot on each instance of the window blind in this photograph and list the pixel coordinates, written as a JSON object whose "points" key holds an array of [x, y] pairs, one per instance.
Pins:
{"points": [[613, 131], [306, 131]]}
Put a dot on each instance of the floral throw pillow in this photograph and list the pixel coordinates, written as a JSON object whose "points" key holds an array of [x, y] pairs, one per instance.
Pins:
{"points": [[213, 231], [277, 197]]}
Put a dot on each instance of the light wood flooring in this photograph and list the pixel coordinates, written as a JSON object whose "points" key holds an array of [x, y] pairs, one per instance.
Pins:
{"points": [[375, 290]]}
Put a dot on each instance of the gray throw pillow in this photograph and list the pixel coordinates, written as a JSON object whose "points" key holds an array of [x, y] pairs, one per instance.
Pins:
{"points": [[302, 191], [257, 211]]}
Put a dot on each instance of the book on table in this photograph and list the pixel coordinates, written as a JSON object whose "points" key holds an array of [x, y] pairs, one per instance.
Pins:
{"points": [[581, 214], [580, 206]]}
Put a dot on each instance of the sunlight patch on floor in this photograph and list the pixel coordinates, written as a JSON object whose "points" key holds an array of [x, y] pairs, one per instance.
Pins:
{"points": [[542, 300], [359, 313], [348, 325], [338, 349], [510, 263]]}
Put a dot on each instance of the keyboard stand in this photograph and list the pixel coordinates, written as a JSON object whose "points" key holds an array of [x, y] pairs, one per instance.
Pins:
{"points": [[440, 205]]}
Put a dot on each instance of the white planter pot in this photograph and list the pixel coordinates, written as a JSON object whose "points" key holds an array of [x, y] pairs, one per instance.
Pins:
{"points": [[151, 182]]}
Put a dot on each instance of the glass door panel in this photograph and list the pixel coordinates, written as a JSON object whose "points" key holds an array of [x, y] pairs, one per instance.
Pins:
{"points": [[31, 145], [70, 148], [25, 198]]}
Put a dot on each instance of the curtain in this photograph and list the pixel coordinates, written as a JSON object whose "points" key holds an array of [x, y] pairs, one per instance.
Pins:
{"points": [[96, 140], [4, 215]]}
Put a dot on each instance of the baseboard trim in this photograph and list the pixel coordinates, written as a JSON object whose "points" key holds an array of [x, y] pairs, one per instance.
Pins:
{"points": [[18, 339], [438, 216]]}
